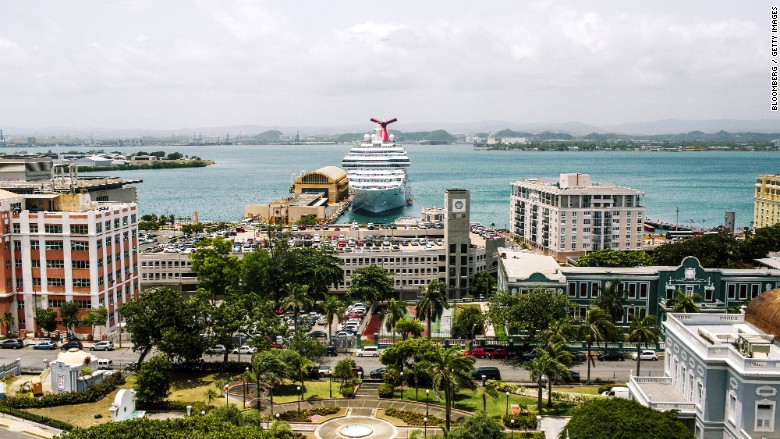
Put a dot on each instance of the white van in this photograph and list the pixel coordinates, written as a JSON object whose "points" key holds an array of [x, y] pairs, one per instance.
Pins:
{"points": [[104, 363], [616, 392], [368, 351]]}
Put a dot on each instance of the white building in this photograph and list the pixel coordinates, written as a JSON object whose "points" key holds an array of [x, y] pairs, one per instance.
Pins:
{"points": [[572, 216], [721, 372]]}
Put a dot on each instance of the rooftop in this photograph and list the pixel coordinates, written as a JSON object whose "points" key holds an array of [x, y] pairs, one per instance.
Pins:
{"points": [[519, 265]]}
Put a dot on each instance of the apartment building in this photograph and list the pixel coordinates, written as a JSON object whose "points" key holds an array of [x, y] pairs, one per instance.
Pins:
{"points": [[721, 372], [766, 206], [60, 247], [573, 215]]}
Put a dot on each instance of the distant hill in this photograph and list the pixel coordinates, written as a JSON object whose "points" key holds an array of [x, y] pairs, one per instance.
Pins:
{"points": [[267, 136]]}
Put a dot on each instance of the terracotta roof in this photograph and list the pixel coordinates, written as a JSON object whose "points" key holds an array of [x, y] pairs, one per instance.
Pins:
{"points": [[764, 312]]}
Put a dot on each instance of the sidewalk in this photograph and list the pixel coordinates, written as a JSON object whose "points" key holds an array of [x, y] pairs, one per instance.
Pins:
{"points": [[18, 425]]}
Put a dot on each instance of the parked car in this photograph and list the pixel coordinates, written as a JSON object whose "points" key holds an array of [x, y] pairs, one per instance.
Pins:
{"points": [[75, 343], [318, 334], [103, 346], [331, 351], [377, 373], [105, 363], [245, 349], [577, 356], [617, 392], [45, 345], [216, 349], [610, 356], [574, 377], [530, 355], [368, 351], [476, 353], [324, 371], [12, 343], [646, 354], [498, 354], [491, 373]]}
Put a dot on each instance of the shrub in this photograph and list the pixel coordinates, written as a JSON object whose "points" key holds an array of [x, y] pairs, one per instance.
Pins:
{"points": [[305, 415], [523, 421], [413, 418], [37, 418], [604, 388], [348, 390], [386, 390]]}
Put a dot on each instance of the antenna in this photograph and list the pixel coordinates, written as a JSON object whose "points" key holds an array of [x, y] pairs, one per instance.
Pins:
{"points": [[384, 124]]}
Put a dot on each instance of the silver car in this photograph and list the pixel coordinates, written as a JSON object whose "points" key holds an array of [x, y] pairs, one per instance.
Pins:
{"points": [[103, 346]]}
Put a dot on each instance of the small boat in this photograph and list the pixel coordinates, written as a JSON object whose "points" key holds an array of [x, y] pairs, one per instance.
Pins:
{"points": [[409, 201], [649, 228]]}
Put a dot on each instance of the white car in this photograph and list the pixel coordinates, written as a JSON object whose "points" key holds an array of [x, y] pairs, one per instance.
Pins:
{"points": [[646, 355], [245, 349], [368, 351]]}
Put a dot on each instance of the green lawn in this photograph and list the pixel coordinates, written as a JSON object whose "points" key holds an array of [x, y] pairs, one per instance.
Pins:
{"points": [[317, 389]]}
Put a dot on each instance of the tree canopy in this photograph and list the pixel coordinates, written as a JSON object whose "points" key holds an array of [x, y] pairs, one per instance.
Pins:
{"points": [[614, 258], [616, 418], [154, 380], [372, 283], [530, 312]]}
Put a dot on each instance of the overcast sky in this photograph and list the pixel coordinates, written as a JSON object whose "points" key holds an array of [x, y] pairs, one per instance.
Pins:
{"points": [[182, 63]]}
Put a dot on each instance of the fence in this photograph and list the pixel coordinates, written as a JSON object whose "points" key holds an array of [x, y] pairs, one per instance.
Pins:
{"points": [[14, 368]]}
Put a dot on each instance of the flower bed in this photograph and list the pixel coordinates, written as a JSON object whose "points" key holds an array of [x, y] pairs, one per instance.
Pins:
{"points": [[305, 415]]}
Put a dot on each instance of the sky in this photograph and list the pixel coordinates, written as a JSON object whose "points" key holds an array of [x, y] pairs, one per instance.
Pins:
{"points": [[195, 63]]}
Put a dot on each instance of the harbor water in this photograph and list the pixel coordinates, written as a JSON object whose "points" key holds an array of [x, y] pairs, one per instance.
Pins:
{"points": [[702, 185]]}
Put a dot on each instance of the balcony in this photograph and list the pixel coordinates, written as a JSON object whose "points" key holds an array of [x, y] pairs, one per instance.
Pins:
{"points": [[659, 393]]}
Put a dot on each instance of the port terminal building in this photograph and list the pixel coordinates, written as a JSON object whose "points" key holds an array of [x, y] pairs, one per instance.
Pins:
{"points": [[321, 193]]}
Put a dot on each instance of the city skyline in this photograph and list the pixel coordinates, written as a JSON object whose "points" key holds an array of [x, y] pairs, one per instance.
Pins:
{"points": [[174, 65]]}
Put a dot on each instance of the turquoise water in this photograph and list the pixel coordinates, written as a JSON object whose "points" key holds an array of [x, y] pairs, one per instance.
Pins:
{"points": [[703, 185]]}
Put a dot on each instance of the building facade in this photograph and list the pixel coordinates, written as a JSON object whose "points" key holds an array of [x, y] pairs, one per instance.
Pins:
{"points": [[766, 206], [61, 247], [721, 372], [647, 289], [572, 216]]}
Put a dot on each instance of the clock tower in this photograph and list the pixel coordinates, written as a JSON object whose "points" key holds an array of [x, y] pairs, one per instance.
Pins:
{"points": [[457, 205]]}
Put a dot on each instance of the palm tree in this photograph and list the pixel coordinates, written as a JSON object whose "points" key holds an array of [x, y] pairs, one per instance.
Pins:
{"points": [[433, 303], [539, 367], [643, 331], [450, 370], [594, 328], [297, 297], [269, 368], [419, 369], [612, 300], [333, 307], [558, 366], [686, 304], [7, 320], [396, 309]]}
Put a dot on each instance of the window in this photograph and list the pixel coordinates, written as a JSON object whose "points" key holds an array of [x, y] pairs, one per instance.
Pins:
{"points": [[108, 225], [80, 264], [55, 282], [116, 239], [765, 415], [79, 229], [81, 283], [33, 228], [17, 245], [732, 291], [755, 289], [54, 245], [594, 289], [35, 263], [743, 291], [643, 291], [731, 407], [17, 228], [108, 242], [116, 223], [583, 289], [98, 227], [55, 263], [79, 245], [52, 228], [572, 289], [632, 291]]}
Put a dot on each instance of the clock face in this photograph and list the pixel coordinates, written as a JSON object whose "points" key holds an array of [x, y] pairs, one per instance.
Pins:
{"points": [[458, 205]]}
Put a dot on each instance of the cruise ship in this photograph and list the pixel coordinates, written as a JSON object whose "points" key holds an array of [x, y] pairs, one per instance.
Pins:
{"points": [[377, 171]]}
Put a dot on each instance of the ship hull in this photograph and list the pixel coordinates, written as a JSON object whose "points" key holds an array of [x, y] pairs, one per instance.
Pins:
{"points": [[378, 200]]}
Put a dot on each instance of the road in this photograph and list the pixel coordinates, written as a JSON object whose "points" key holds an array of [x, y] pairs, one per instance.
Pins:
{"points": [[616, 371]]}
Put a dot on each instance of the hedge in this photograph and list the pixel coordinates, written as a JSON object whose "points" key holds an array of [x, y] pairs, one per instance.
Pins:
{"points": [[305, 415], [386, 390], [93, 394], [523, 421], [413, 418], [54, 423]]}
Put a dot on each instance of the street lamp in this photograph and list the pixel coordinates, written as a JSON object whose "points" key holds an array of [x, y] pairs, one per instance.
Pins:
{"points": [[427, 395], [513, 426], [483, 380], [402, 386], [243, 381], [425, 426], [507, 402], [299, 398], [331, 385], [227, 399]]}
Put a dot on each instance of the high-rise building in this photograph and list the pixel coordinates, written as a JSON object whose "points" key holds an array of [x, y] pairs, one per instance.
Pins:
{"points": [[61, 247], [766, 207], [572, 216]]}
